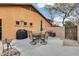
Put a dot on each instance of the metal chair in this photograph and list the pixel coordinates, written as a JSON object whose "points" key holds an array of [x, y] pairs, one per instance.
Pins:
{"points": [[43, 39], [8, 50]]}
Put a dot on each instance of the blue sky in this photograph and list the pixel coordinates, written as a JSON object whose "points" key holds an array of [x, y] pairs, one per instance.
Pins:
{"points": [[57, 19], [42, 10]]}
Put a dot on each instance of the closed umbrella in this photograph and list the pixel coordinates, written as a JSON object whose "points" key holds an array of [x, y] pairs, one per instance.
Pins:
{"points": [[41, 27]]}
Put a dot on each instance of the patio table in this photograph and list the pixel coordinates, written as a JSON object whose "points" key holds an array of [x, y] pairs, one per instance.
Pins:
{"points": [[38, 37]]}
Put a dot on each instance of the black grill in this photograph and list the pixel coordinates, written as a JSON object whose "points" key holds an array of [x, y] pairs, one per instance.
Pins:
{"points": [[21, 34]]}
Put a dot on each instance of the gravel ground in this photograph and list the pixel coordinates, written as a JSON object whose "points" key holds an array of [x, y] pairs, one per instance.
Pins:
{"points": [[53, 48]]}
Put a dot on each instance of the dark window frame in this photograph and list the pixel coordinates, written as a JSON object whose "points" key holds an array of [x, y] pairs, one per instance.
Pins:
{"points": [[25, 23], [17, 22], [31, 24]]}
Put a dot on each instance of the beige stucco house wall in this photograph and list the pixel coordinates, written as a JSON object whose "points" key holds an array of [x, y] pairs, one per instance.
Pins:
{"points": [[9, 14]]}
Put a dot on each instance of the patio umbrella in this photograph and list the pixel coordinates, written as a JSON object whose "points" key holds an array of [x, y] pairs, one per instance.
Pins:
{"points": [[41, 28]]}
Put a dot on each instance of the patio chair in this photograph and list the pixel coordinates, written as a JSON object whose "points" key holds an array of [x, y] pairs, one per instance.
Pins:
{"points": [[6, 44], [30, 34], [46, 35], [33, 42], [43, 39], [8, 50], [34, 39]]}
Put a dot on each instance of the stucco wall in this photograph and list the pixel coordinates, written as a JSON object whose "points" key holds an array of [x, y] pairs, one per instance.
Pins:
{"points": [[60, 31], [78, 33], [11, 14]]}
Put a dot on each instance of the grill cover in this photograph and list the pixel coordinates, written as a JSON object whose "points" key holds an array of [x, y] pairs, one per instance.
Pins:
{"points": [[21, 34]]}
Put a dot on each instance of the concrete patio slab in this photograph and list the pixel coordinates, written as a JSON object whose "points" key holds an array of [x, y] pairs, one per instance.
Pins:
{"points": [[68, 42], [53, 48]]}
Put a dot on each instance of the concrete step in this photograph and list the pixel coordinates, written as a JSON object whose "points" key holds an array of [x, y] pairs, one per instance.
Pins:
{"points": [[68, 42]]}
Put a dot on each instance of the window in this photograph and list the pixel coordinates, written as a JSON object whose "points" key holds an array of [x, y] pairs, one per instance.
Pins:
{"points": [[30, 24], [17, 22], [0, 22], [25, 23]]}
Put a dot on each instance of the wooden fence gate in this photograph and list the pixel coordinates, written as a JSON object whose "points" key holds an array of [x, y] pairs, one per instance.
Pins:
{"points": [[71, 33]]}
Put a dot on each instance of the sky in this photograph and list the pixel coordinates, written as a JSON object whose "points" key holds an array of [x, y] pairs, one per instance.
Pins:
{"points": [[40, 7]]}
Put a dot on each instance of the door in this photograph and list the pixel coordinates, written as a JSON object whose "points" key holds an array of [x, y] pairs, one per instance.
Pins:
{"points": [[71, 33]]}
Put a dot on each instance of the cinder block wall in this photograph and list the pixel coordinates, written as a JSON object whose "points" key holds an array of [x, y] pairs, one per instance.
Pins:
{"points": [[60, 31]]}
